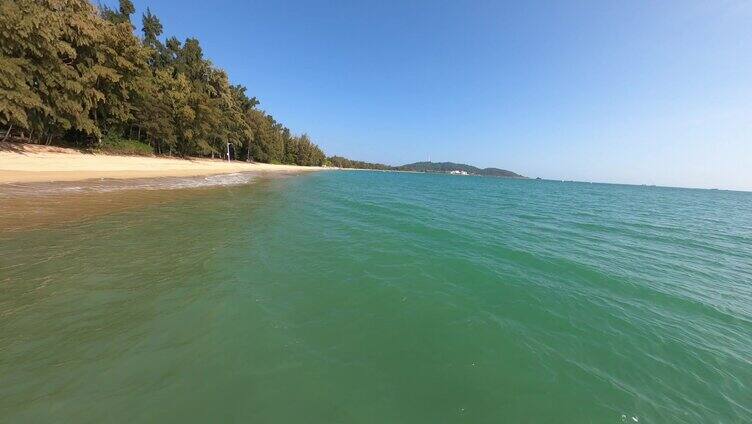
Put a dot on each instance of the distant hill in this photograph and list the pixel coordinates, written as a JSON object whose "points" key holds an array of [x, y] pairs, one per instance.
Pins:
{"points": [[448, 167]]}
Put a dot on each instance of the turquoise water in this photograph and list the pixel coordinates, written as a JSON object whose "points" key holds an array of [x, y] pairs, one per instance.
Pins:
{"points": [[367, 297]]}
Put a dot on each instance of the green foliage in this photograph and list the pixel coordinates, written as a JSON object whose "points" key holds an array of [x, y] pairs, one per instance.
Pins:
{"points": [[116, 145], [122, 15], [72, 72], [301, 151], [340, 162], [50, 42]]}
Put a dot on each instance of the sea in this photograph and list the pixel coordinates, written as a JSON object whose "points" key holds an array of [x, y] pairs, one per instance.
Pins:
{"points": [[374, 297]]}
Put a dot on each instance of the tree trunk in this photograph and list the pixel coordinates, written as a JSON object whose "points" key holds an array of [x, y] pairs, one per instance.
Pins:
{"points": [[96, 117], [7, 133], [96, 123]]}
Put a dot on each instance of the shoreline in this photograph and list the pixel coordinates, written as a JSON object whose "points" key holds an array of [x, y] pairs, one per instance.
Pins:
{"points": [[25, 206], [32, 163]]}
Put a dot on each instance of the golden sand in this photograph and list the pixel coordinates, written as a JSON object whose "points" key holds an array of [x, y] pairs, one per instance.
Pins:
{"points": [[25, 163]]}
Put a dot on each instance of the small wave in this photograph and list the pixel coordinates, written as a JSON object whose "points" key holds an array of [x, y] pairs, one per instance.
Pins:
{"points": [[208, 181], [107, 185]]}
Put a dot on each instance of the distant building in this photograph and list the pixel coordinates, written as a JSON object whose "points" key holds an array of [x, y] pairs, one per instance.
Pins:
{"points": [[455, 172]]}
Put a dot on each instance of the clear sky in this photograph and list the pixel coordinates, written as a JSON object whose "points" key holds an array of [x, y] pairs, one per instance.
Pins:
{"points": [[644, 92]]}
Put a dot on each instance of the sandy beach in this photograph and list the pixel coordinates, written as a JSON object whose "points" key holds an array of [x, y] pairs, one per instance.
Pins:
{"points": [[29, 163]]}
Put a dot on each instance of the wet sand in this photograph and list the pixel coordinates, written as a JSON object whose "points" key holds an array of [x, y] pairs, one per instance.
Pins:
{"points": [[26, 206], [46, 185]]}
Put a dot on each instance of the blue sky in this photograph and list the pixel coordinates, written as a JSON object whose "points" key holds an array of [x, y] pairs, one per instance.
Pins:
{"points": [[639, 92]]}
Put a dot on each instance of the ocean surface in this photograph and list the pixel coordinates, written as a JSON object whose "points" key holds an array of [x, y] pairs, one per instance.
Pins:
{"points": [[369, 297]]}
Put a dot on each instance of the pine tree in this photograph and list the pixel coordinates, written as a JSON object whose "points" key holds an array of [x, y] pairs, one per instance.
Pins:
{"points": [[70, 70]]}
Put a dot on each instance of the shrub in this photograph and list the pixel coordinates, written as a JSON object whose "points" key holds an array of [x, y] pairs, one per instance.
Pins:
{"points": [[115, 145]]}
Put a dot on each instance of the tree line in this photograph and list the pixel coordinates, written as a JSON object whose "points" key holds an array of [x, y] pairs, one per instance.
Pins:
{"points": [[341, 162], [75, 73]]}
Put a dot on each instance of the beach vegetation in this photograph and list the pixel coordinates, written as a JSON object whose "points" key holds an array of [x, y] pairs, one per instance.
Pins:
{"points": [[78, 74], [341, 162], [116, 145]]}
